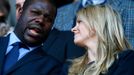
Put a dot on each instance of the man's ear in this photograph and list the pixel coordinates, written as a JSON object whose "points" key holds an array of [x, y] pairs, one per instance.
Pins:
{"points": [[20, 11]]}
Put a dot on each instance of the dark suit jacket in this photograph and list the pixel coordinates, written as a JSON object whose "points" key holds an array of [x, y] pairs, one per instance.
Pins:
{"points": [[61, 46], [124, 65], [36, 62]]}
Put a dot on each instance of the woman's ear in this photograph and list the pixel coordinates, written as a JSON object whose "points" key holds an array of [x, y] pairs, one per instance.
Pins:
{"points": [[93, 32]]}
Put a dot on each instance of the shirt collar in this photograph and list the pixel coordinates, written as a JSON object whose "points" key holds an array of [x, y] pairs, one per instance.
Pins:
{"points": [[13, 38], [93, 1], [98, 1], [83, 2]]}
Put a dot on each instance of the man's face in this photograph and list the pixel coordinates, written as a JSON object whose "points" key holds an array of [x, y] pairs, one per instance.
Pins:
{"points": [[3, 14], [19, 4], [35, 23]]}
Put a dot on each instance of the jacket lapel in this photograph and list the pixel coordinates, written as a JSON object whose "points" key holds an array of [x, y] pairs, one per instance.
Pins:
{"points": [[30, 57], [3, 48], [51, 38], [37, 53]]}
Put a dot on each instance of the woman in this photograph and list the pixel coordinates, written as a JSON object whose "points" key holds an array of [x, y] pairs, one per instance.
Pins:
{"points": [[99, 29]]}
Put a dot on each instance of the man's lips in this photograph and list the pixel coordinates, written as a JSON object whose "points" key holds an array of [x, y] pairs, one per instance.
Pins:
{"points": [[36, 28], [35, 31]]}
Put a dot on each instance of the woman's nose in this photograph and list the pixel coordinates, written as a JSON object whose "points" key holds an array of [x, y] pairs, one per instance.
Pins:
{"points": [[74, 29]]}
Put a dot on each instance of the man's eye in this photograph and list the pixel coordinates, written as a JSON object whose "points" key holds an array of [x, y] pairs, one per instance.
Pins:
{"points": [[36, 12], [48, 18]]}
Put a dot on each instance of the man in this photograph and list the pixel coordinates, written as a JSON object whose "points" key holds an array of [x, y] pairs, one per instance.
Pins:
{"points": [[24, 43], [18, 8], [58, 44], [19, 5], [4, 12]]}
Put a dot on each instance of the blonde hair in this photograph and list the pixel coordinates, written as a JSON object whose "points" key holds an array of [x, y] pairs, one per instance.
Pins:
{"points": [[111, 40]]}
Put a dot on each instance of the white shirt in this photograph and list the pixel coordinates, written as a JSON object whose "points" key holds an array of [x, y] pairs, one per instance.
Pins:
{"points": [[22, 51], [98, 1], [94, 2]]}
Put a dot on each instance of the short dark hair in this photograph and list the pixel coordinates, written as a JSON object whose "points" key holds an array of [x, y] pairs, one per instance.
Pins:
{"points": [[29, 2]]}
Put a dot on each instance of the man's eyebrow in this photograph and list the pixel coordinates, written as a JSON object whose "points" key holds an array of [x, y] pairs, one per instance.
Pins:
{"points": [[18, 5]]}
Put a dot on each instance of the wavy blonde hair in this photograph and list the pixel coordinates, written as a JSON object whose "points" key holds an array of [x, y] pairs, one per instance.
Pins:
{"points": [[111, 40]]}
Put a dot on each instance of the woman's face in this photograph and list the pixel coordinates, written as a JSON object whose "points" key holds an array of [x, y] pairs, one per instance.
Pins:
{"points": [[82, 34]]}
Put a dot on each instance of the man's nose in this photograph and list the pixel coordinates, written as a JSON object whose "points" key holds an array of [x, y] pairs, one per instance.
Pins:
{"points": [[39, 19]]}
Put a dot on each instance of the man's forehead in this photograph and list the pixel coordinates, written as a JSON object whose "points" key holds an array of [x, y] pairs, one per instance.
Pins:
{"points": [[1, 13], [41, 4], [20, 1]]}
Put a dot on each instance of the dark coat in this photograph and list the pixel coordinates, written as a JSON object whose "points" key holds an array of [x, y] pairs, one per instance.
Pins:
{"points": [[36, 62], [60, 45], [124, 65]]}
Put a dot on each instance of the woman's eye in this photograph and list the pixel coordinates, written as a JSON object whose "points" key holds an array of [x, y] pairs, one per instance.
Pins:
{"points": [[79, 21]]}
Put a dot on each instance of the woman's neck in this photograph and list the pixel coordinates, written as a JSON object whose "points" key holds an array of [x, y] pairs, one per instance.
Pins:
{"points": [[91, 56], [92, 49]]}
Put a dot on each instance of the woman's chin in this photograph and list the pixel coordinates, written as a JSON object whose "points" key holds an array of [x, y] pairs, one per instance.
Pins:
{"points": [[79, 43]]}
